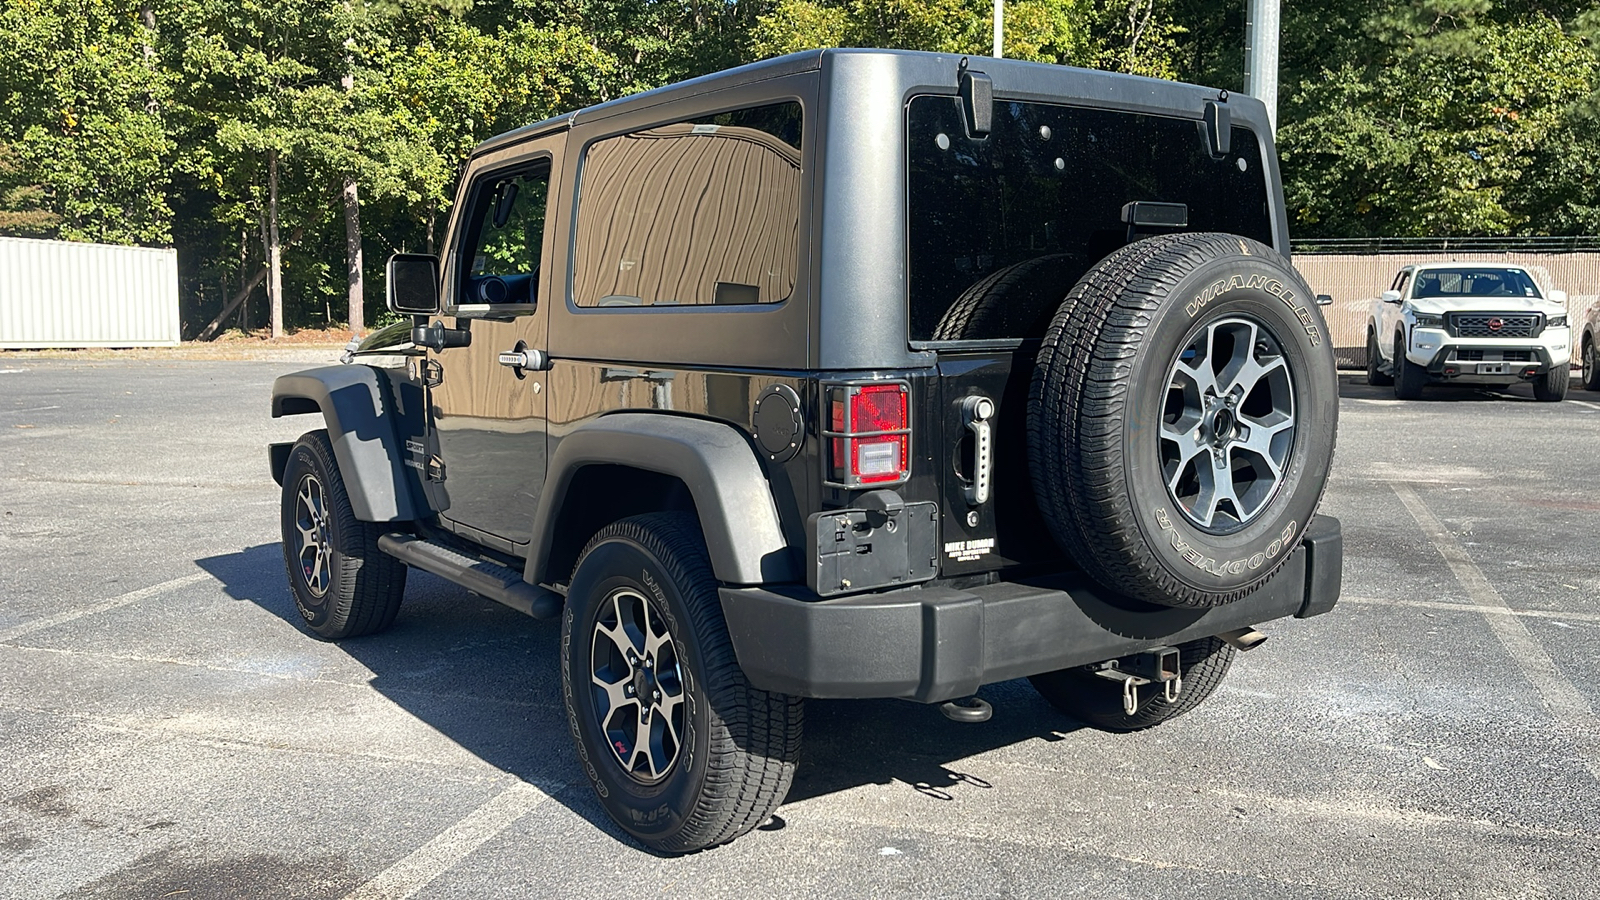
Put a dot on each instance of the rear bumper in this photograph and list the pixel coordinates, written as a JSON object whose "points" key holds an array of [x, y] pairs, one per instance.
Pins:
{"points": [[935, 643]]}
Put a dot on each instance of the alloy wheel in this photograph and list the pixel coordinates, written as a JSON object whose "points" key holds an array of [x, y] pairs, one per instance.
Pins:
{"points": [[315, 547], [637, 685], [1228, 424]]}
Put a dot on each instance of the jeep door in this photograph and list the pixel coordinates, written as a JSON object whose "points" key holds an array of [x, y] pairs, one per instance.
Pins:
{"points": [[487, 412]]}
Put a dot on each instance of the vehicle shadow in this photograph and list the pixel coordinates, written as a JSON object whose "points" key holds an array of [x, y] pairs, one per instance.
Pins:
{"points": [[1353, 386], [487, 678]]}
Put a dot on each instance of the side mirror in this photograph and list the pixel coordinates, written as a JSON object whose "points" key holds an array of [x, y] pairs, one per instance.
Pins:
{"points": [[1558, 297], [1324, 299], [1391, 296], [413, 284]]}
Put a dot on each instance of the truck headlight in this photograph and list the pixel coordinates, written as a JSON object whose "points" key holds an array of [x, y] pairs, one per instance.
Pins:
{"points": [[1556, 322], [1427, 321]]}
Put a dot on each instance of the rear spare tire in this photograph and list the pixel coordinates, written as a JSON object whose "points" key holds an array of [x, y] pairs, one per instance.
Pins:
{"points": [[1181, 418]]}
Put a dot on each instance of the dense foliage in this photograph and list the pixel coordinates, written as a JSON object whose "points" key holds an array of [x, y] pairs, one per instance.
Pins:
{"points": [[177, 122]]}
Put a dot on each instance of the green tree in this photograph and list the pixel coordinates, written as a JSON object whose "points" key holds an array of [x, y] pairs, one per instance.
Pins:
{"points": [[80, 113], [1433, 136]]}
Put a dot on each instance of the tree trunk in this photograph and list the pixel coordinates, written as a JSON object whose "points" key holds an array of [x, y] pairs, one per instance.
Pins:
{"points": [[352, 255], [274, 251], [147, 18], [357, 317]]}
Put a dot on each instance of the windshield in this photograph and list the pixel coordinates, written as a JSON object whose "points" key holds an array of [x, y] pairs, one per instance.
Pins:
{"points": [[1002, 226], [1475, 281]]}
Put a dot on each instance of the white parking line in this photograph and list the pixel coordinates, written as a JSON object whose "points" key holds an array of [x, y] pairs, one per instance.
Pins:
{"points": [[1565, 703], [1593, 406], [16, 631], [32, 409], [417, 870], [1474, 608]]}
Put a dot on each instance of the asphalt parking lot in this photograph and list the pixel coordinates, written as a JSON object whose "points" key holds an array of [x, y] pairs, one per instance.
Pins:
{"points": [[167, 730]]}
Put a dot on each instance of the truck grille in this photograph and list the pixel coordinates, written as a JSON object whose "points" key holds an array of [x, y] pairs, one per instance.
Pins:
{"points": [[1477, 354], [1521, 325]]}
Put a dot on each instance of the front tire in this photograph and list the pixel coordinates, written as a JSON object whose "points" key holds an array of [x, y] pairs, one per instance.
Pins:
{"points": [[682, 751], [1551, 387], [1408, 376], [1097, 701], [1591, 365], [343, 585]]}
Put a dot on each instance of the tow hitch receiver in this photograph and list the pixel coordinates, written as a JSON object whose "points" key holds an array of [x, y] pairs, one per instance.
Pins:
{"points": [[1159, 666]]}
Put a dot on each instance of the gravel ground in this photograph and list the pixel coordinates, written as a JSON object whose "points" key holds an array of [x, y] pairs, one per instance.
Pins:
{"points": [[167, 730]]}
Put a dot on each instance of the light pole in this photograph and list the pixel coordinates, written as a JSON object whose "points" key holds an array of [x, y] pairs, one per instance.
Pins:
{"points": [[1261, 55], [999, 25]]}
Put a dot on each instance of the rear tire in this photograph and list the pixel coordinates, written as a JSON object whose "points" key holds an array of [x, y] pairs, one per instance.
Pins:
{"points": [[1408, 376], [1097, 701], [1551, 387], [705, 757], [343, 585], [1375, 375], [1591, 365], [1181, 418]]}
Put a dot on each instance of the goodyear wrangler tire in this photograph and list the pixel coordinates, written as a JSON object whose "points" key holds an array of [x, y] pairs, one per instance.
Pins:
{"points": [[1181, 418]]}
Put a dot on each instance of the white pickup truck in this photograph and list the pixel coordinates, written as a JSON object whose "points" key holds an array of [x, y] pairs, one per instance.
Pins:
{"points": [[1473, 323]]}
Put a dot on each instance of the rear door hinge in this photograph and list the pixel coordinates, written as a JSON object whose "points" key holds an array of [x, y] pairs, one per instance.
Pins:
{"points": [[435, 469], [432, 373]]}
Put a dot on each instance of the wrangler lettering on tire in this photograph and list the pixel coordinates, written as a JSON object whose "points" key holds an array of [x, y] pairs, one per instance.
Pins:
{"points": [[1181, 418]]}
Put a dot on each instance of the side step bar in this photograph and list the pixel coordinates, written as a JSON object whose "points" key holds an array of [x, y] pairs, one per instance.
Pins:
{"points": [[496, 582]]}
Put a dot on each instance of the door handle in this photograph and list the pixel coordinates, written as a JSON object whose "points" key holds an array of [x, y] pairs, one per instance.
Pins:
{"points": [[977, 411], [524, 359]]}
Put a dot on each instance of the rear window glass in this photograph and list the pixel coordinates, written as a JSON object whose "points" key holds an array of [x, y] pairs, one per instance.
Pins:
{"points": [[1475, 282], [703, 211], [1001, 228]]}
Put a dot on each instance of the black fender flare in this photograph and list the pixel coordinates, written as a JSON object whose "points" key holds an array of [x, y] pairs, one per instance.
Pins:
{"points": [[714, 461], [353, 404]]}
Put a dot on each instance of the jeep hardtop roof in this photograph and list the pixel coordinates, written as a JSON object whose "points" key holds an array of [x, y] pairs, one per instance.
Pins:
{"points": [[921, 71]]}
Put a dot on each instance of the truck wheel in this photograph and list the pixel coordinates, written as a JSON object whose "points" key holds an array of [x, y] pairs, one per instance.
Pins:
{"points": [[1591, 365], [1375, 375], [343, 585], [683, 752], [1181, 418], [1408, 376], [1097, 701], [1551, 387]]}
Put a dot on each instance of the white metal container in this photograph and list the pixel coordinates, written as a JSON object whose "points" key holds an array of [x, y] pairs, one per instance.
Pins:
{"points": [[67, 294]]}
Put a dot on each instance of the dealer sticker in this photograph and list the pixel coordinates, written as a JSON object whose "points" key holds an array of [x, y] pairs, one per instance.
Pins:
{"points": [[967, 551]]}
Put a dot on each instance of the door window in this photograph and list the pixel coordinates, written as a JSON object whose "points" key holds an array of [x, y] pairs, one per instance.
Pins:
{"points": [[501, 256]]}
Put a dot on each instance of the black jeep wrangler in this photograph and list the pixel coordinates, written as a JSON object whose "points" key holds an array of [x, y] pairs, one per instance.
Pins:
{"points": [[853, 373]]}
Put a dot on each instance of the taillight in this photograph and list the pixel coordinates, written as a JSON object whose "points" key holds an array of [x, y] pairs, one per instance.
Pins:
{"points": [[869, 427]]}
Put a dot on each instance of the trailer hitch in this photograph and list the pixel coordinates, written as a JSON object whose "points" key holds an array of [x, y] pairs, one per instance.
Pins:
{"points": [[1159, 666]]}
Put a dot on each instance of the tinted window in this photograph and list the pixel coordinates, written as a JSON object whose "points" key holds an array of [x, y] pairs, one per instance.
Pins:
{"points": [[1001, 228], [697, 212], [500, 259], [1475, 282]]}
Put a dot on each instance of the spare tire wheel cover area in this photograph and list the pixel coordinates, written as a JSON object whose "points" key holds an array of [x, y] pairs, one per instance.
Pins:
{"points": [[1205, 295]]}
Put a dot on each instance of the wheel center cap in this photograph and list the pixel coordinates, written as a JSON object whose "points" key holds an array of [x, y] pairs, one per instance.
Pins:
{"points": [[643, 684], [1223, 425]]}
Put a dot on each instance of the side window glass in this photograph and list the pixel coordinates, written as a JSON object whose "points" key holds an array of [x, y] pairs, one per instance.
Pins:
{"points": [[1403, 284], [703, 211], [500, 259]]}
